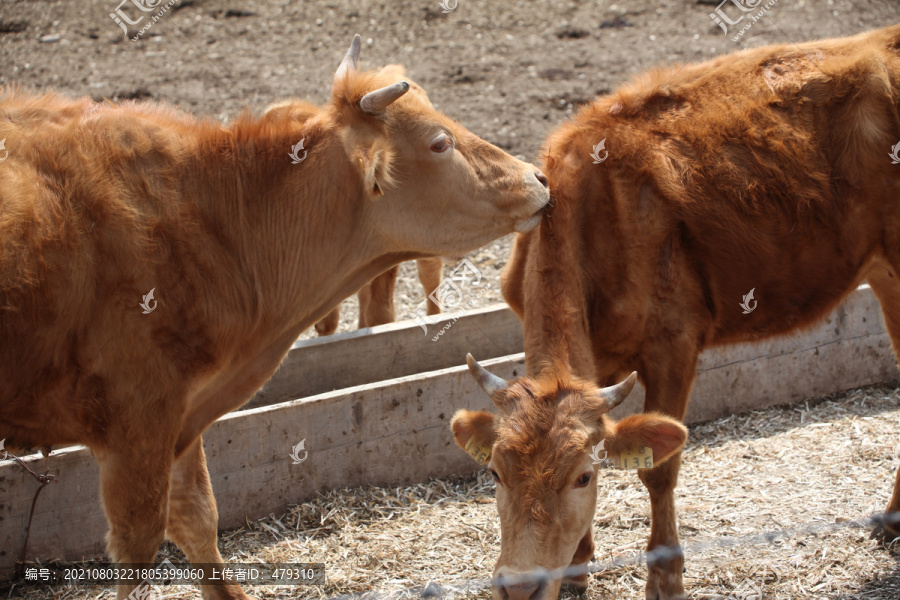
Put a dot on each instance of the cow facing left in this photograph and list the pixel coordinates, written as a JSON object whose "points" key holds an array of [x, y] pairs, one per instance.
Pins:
{"points": [[244, 247]]}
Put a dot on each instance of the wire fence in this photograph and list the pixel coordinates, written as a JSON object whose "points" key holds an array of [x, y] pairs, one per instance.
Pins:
{"points": [[434, 589]]}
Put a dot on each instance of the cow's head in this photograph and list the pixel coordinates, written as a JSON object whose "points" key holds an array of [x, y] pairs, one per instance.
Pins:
{"points": [[540, 449], [416, 163]]}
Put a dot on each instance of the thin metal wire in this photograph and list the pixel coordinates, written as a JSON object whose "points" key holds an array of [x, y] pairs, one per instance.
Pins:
{"points": [[43, 480]]}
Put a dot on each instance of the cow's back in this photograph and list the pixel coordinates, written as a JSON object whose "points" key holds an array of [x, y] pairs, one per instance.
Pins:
{"points": [[767, 169], [86, 194]]}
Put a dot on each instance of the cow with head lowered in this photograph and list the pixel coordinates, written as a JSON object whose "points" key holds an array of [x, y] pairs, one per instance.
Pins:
{"points": [[765, 170], [244, 242]]}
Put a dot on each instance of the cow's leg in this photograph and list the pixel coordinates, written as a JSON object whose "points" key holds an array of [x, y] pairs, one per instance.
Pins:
{"points": [[193, 518], [668, 378], [134, 486], [885, 282], [376, 299], [430, 272], [330, 322], [364, 296]]}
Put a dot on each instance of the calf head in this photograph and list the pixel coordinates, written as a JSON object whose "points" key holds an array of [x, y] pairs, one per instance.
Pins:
{"points": [[538, 447], [428, 184]]}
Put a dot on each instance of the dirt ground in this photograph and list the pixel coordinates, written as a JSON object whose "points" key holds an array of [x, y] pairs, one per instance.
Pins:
{"points": [[509, 71], [809, 468]]}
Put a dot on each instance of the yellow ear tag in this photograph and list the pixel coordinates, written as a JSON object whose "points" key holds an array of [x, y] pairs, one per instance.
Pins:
{"points": [[640, 458], [480, 453]]}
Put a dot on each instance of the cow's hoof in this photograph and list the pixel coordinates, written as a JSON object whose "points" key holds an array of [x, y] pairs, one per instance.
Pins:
{"points": [[884, 534], [887, 528], [664, 586]]}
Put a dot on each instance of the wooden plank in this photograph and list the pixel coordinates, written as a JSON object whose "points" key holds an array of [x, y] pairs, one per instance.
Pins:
{"points": [[397, 431], [68, 520], [391, 432], [390, 351]]}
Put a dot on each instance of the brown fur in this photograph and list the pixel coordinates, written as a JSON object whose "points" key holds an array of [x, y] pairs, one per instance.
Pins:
{"points": [[766, 169], [99, 203]]}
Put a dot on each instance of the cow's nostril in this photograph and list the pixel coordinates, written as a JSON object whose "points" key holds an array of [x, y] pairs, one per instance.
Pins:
{"points": [[542, 178]]}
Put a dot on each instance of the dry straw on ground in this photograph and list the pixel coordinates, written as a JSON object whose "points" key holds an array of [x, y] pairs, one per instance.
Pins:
{"points": [[825, 461]]}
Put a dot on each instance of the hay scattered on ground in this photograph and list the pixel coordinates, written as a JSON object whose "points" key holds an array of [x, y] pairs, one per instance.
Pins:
{"points": [[827, 461]]}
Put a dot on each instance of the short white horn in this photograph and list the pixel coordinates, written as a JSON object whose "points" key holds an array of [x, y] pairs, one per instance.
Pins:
{"points": [[375, 102], [614, 395], [351, 60], [489, 382]]}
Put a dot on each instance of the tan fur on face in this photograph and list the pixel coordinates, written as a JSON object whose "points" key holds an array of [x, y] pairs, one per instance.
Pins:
{"points": [[541, 440]]}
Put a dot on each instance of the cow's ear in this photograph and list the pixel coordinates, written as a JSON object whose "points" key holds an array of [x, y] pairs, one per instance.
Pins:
{"points": [[374, 162], [474, 433], [664, 435]]}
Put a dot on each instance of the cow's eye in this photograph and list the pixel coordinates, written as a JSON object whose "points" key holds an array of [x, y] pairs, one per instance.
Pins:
{"points": [[583, 480], [442, 143], [495, 476]]}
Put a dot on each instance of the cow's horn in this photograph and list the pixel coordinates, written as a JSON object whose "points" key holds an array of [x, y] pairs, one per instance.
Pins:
{"points": [[614, 395], [375, 102], [489, 382], [351, 60]]}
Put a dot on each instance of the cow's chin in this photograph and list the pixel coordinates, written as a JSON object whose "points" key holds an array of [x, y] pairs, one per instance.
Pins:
{"points": [[548, 591], [526, 225]]}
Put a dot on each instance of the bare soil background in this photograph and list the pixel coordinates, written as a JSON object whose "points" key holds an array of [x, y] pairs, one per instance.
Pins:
{"points": [[510, 71]]}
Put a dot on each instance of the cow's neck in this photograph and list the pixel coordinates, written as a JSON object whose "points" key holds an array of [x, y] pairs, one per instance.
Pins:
{"points": [[296, 236], [557, 317]]}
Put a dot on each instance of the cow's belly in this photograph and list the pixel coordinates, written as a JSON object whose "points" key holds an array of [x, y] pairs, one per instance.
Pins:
{"points": [[786, 296]]}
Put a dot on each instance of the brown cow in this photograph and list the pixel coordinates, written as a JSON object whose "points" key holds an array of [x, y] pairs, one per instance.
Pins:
{"points": [[244, 247], [376, 298], [763, 170]]}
